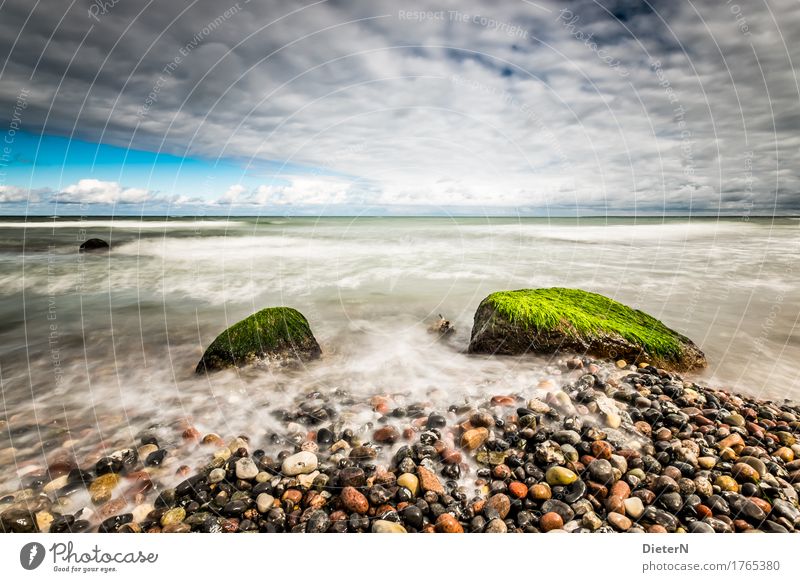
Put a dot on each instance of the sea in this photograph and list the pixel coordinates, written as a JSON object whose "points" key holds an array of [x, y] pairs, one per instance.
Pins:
{"points": [[105, 345]]}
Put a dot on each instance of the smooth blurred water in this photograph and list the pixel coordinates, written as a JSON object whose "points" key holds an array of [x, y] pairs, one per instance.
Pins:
{"points": [[110, 342]]}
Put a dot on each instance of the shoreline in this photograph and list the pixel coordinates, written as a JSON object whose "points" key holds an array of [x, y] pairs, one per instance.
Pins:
{"points": [[606, 449]]}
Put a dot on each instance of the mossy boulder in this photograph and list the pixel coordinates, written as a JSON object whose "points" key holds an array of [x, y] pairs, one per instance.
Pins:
{"points": [[275, 335], [571, 320]]}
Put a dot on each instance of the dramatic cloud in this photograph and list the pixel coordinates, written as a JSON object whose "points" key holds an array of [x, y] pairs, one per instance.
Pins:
{"points": [[584, 106], [98, 192], [17, 194]]}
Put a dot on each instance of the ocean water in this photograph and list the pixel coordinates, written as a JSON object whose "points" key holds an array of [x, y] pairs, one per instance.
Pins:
{"points": [[107, 344]]}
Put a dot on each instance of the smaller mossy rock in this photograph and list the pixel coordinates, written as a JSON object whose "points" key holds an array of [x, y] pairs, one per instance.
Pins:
{"points": [[571, 320], [94, 245], [275, 335]]}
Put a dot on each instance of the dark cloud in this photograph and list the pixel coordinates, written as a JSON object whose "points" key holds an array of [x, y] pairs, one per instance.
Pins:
{"points": [[659, 105]]}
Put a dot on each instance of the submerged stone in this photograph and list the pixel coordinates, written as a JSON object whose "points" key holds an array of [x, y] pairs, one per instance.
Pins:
{"points": [[94, 245]]}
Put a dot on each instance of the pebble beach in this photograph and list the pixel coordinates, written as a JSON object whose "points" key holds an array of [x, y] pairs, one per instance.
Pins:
{"points": [[598, 446]]}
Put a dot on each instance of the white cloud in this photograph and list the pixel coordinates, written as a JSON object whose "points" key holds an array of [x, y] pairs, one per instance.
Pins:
{"points": [[301, 190], [17, 194], [233, 194], [91, 191]]}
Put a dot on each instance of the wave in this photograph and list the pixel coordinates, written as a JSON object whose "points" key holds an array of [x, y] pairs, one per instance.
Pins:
{"points": [[123, 224], [620, 233]]}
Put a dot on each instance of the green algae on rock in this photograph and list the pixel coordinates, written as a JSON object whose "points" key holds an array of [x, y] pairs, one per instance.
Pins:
{"points": [[272, 335], [559, 319]]}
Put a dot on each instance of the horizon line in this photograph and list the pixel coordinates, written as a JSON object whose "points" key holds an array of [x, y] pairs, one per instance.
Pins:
{"points": [[285, 216]]}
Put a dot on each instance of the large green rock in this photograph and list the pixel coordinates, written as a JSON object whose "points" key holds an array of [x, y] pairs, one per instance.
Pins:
{"points": [[275, 335], [571, 320]]}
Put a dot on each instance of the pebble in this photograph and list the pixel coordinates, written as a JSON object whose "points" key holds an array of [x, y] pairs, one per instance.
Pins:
{"points": [[264, 502], [707, 462], [633, 507], [745, 473], [600, 470], [173, 516], [446, 523], [246, 469], [56, 484], [354, 501], [518, 490], [726, 483], [146, 450], [474, 438], [619, 522], [500, 503], [299, 463], [428, 481], [550, 521], [560, 476], [591, 521], [43, 520], [410, 482], [216, 475], [384, 526], [386, 435], [140, 512], [540, 492], [102, 488]]}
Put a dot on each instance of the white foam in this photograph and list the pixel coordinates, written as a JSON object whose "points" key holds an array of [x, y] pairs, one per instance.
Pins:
{"points": [[124, 224]]}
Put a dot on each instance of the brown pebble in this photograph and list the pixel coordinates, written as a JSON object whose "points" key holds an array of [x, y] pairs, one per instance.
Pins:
{"points": [[446, 523], [502, 401], [602, 449], [292, 495], [428, 481], [191, 434], [386, 435], [474, 438], [518, 489], [614, 504], [620, 489], [501, 472], [500, 503], [539, 492], [550, 521]]}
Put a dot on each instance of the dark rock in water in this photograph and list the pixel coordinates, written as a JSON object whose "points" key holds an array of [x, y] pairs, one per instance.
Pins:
{"points": [[108, 465], [155, 458], [62, 524], [557, 319], [436, 420], [442, 326], [112, 524], [94, 245], [18, 521], [273, 335]]}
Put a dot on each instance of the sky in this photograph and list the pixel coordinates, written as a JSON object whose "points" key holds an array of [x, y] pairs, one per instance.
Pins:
{"points": [[545, 108]]}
